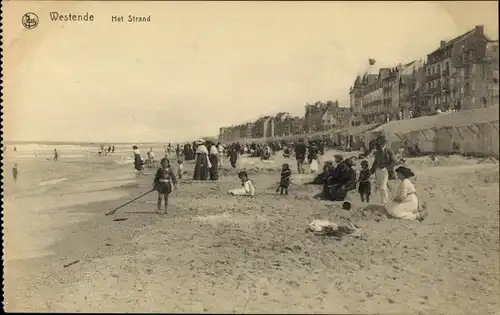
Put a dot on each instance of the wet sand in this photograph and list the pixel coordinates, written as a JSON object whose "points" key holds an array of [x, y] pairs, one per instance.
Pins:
{"points": [[217, 253]]}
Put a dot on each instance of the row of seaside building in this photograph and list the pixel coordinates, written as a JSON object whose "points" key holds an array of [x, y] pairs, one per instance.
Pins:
{"points": [[461, 74]]}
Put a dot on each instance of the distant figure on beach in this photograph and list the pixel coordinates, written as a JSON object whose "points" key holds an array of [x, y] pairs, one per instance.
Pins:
{"points": [[56, 155], [286, 173], [202, 166], [180, 168], [15, 172], [313, 158], [163, 183], [15, 149], [151, 156], [247, 189], [233, 155], [113, 149], [213, 157], [300, 155], [178, 151], [220, 150], [138, 162]]}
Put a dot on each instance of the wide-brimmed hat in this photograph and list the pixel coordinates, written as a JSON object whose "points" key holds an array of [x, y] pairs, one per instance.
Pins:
{"points": [[381, 140], [405, 171], [201, 141]]}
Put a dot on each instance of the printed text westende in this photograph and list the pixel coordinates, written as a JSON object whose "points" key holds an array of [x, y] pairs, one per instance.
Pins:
{"points": [[70, 17]]}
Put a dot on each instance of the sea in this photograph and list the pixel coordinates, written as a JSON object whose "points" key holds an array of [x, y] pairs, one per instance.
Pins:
{"points": [[35, 206]]}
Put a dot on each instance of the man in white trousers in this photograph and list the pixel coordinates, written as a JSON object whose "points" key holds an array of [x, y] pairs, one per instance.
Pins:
{"points": [[384, 160]]}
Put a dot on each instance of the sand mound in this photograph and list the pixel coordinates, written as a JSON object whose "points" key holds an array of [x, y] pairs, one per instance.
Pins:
{"points": [[228, 220]]}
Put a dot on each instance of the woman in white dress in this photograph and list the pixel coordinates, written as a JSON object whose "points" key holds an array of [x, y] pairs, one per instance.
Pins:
{"points": [[405, 204]]}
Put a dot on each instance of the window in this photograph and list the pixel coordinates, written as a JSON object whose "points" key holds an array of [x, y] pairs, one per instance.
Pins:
{"points": [[438, 69]]}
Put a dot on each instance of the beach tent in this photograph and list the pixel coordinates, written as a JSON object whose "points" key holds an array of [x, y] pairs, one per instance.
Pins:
{"points": [[472, 132]]}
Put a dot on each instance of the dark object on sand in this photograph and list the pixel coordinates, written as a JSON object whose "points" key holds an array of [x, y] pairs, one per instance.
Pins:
{"points": [[71, 263], [346, 206], [121, 219], [114, 210]]}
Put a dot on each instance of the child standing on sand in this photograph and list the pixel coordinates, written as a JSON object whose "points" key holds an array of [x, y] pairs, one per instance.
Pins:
{"points": [[163, 183], [364, 187], [15, 172], [286, 173]]}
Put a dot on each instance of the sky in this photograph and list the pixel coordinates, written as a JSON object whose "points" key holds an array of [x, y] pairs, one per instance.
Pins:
{"points": [[198, 66]]}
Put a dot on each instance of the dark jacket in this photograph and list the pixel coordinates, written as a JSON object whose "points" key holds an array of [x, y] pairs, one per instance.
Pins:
{"points": [[300, 151]]}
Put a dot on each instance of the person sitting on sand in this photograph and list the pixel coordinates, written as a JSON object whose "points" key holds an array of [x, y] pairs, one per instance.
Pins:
{"points": [[338, 158], [344, 182], [405, 204], [163, 183], [321, 178], [248, 188]]}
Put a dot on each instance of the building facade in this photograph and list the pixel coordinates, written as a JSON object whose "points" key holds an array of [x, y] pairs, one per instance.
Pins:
{"points": [[462, 72], [282, 124]]}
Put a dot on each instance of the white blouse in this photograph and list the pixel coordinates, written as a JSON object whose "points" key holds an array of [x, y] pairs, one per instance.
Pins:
{"points": [[405, 190], [249, 188]]}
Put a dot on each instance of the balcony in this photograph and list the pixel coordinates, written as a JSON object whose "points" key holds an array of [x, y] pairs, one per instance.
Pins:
{"points": [[433, 76], [433, 90], [445, 72]]}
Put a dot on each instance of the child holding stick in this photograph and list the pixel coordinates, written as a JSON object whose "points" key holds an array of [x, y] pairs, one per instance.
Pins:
{"points": [[163, 183]]}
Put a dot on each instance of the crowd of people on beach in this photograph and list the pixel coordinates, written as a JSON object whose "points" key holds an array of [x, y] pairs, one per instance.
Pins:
{"points": [[339, 180]]}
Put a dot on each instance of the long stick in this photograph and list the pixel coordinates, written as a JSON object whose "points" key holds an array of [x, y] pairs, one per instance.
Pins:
{"points": [[144, 194]]}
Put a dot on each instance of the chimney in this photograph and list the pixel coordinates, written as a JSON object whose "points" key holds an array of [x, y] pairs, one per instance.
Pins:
{"points": [[442, 44], [480, 29]]}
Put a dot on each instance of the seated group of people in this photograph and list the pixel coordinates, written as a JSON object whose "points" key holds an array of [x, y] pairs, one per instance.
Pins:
{"points": [[337, 180]]}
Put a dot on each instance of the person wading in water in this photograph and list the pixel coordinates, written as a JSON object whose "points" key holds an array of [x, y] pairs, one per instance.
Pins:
{"points": [[138, 162]]}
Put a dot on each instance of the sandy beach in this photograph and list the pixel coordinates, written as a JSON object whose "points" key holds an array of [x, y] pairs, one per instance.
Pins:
{"points": [[217, 253]]}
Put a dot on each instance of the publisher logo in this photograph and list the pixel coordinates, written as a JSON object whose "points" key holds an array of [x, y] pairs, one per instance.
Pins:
{"points": [[30, 20]]}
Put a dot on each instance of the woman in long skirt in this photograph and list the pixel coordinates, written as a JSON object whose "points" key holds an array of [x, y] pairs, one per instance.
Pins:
{"points": [[138, 162], [214, 161], [202, 165], [233, 155]]}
